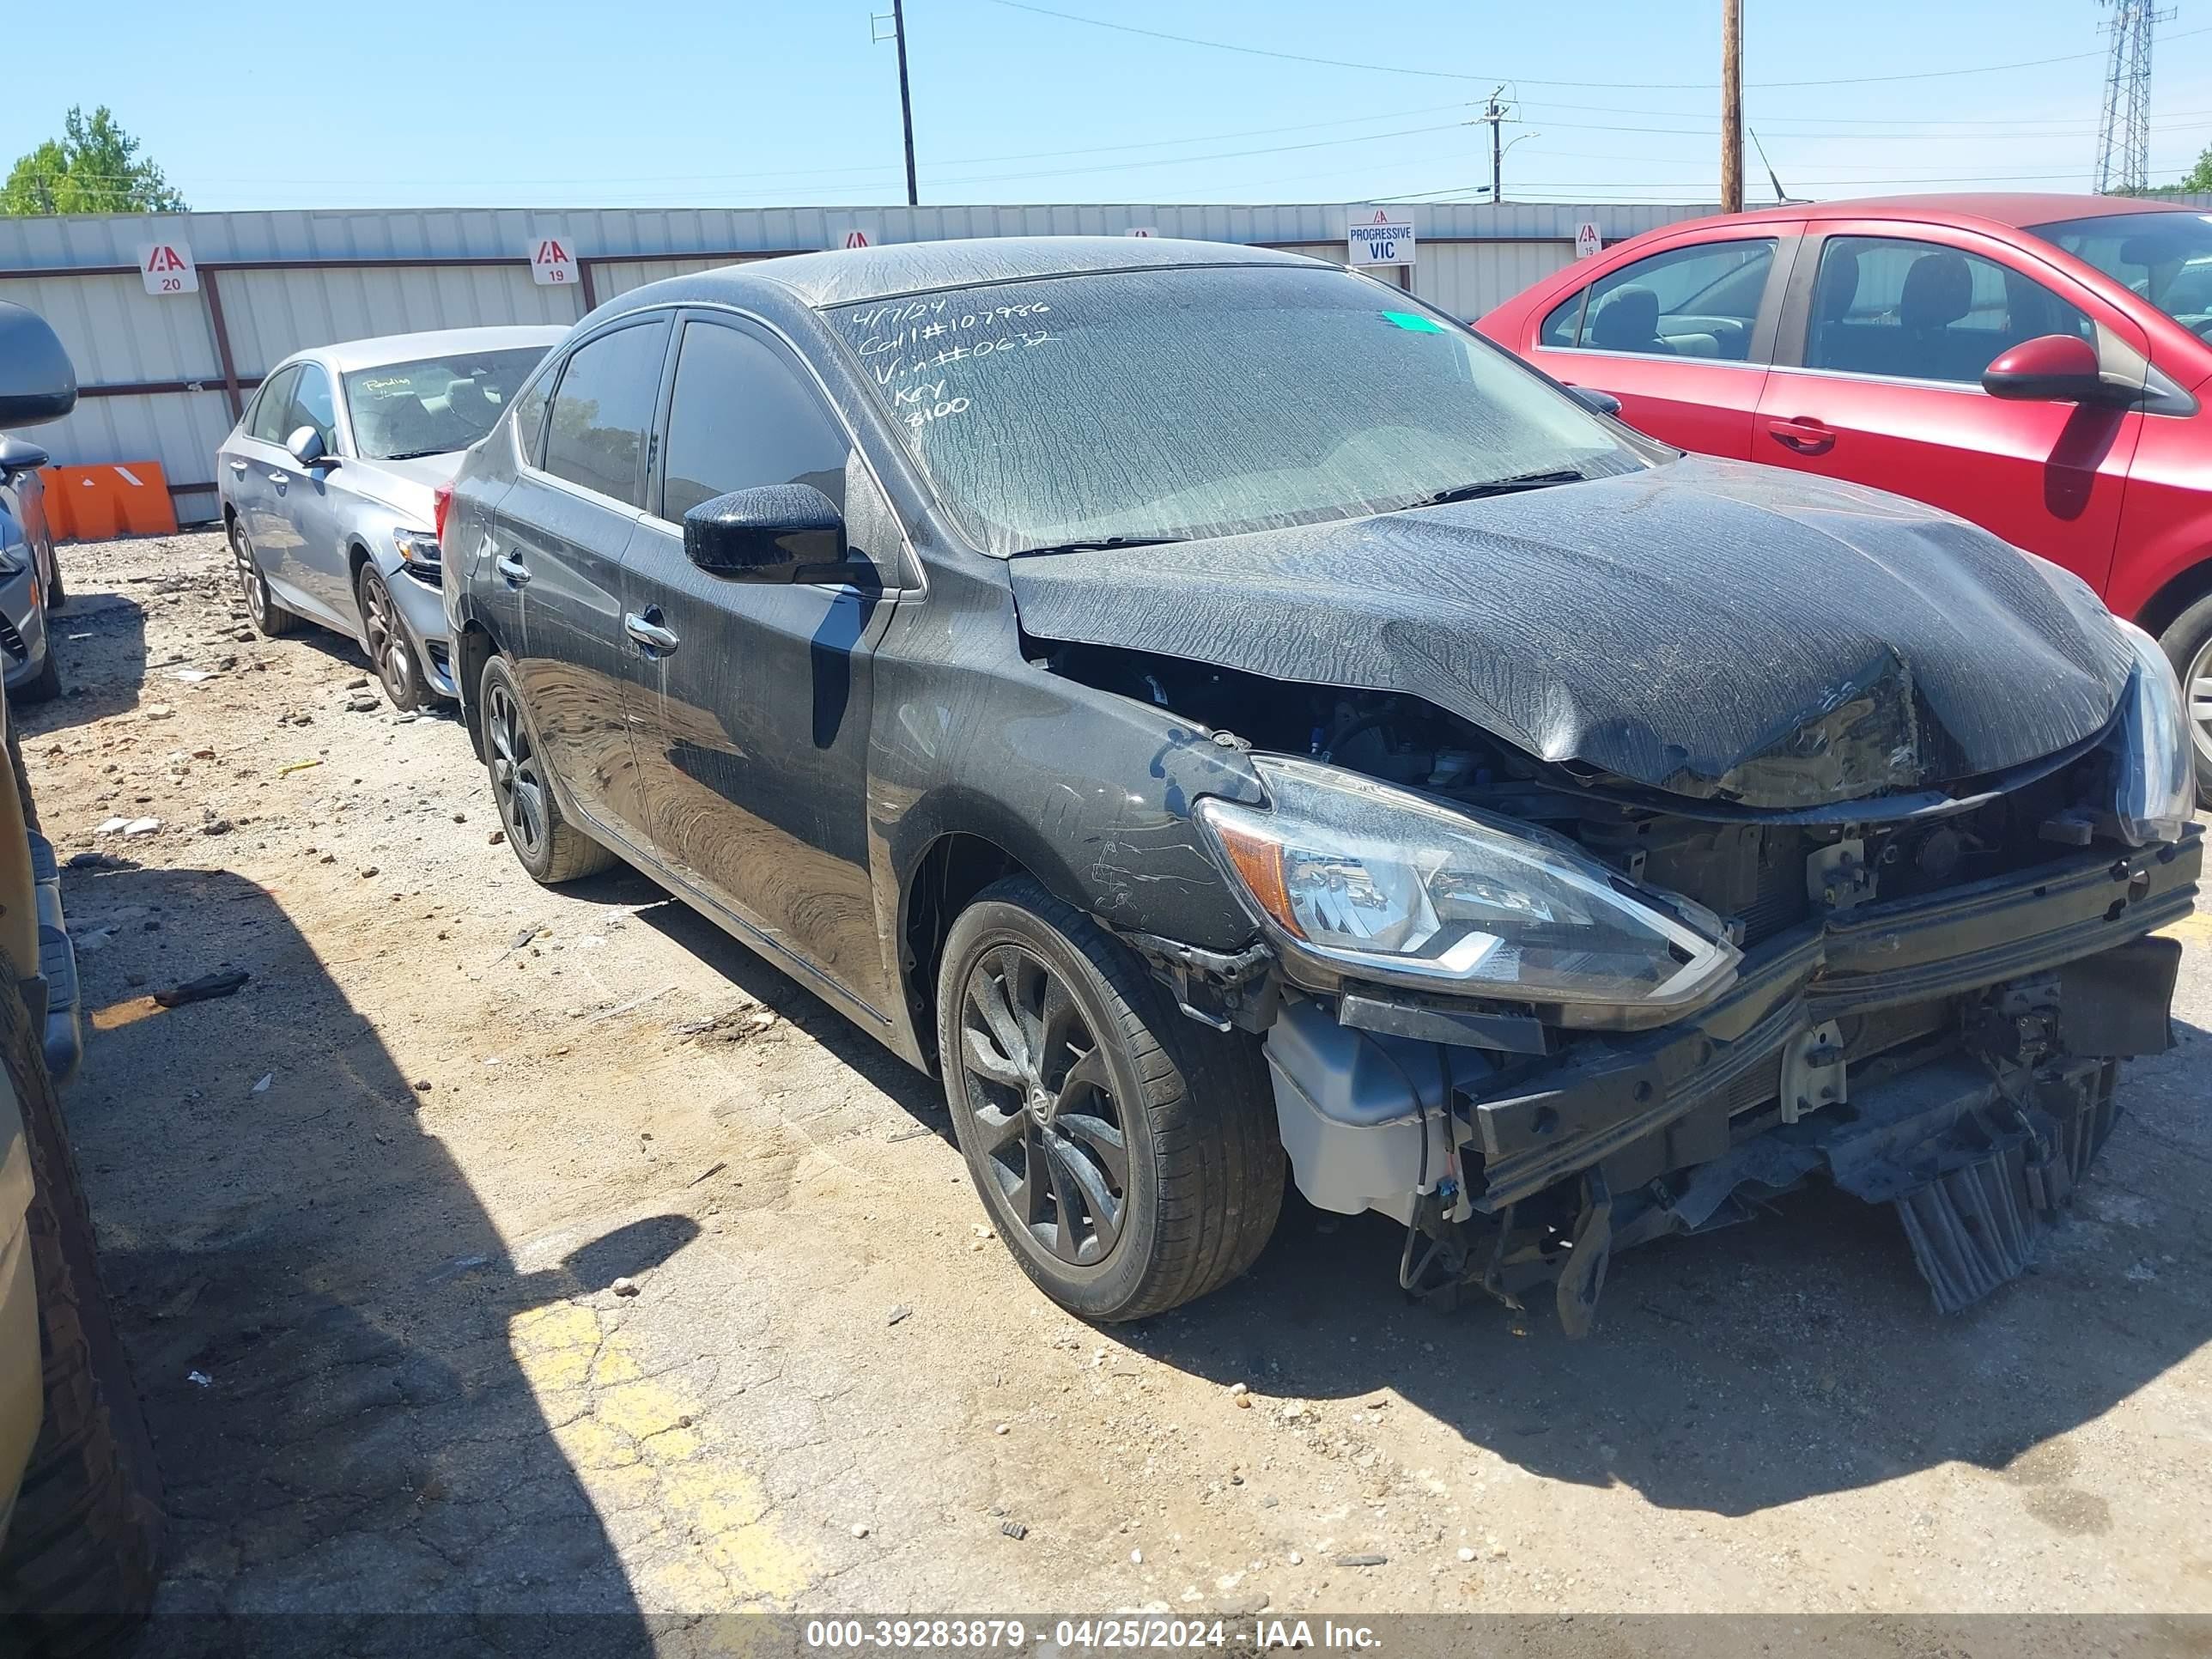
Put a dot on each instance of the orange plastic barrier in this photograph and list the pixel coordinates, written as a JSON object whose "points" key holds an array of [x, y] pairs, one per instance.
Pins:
{"points": [[92, 503]]}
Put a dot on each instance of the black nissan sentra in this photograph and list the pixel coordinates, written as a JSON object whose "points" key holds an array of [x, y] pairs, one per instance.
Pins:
{"points": [[1209, 707]]}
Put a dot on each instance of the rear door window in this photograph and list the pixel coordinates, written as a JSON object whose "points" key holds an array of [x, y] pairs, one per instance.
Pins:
{"points": [[1911, 310], [603, 409], [1701, 301]]}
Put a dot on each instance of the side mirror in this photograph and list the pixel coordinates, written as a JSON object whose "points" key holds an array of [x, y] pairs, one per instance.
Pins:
{"points": [[307, 447], [1599, 403], [773, 533], [2059, 369], [37, 380], [17, 455]]}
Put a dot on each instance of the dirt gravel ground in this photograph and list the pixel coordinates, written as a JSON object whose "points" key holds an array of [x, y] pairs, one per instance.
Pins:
{"points": [[496, 1249]]}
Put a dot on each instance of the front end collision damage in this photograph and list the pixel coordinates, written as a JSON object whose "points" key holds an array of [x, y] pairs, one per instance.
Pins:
{"points": [[1928, 1011]]}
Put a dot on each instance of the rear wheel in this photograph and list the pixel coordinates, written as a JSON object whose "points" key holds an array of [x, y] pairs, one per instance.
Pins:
{"points": [[45, 686], [269, 619], [2188, 644], [78, 1565], [552, 849], [1128, 1157], [388, 645]]}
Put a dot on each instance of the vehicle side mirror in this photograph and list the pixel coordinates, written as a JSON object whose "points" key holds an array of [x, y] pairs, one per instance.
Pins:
{"points": [[771, 533], [38, 382], [1599, 403], [307, 447], [17, 455], [2057, 369]]}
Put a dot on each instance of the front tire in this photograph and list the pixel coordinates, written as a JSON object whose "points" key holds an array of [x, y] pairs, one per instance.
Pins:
{"points": [[45, 686], [386, 637], [1128, 1157], [269, 619], [549, 846], [2188, 643]]}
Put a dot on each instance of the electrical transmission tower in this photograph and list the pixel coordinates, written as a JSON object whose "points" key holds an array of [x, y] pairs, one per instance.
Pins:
{"points": [[2123, 136]]}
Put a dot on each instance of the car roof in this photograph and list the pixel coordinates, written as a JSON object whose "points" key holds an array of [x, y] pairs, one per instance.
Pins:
{"points": [[844, 276], [435, 342], [2019, 210]]}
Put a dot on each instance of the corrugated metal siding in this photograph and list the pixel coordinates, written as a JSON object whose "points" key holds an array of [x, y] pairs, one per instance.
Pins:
{"points": [[1468, 278], [273, 314], [620, 275], [352, 274]]}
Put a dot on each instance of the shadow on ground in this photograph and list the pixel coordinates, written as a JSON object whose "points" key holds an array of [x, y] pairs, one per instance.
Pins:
{"points": [[1794, 1356], [1731, 1373], [320, 1314], [99, 642]]}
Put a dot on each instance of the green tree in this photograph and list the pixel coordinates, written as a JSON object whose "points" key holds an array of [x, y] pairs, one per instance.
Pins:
{"points": [[2200, 176], [94, 167]]}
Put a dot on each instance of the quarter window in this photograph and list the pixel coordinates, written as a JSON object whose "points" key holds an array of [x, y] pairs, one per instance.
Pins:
{"points": [[272, 408], [1699, 302], [604, 411], [1919, 311], [312, 406], [741, 418]]}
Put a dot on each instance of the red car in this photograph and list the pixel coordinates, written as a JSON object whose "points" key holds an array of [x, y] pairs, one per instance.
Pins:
{"points": [[2036, 364]]}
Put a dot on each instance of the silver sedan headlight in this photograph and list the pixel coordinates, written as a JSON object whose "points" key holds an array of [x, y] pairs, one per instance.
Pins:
{"points": [[418, 548], [1378, 883], [2154, 776]]}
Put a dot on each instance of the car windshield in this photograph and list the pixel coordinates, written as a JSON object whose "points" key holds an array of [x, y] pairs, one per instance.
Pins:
{"points": [[1167, 404], [432, 404], [2166, 257]]}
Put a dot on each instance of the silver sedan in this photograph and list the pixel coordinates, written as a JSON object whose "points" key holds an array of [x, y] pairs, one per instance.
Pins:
{"points": [[329, 480]]}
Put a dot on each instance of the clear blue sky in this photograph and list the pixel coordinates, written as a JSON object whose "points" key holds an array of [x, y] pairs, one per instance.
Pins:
{"points": [[689, 103]]}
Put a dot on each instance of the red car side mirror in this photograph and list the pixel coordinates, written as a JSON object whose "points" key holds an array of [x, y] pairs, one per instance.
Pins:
{"points": [[2051, 368]]}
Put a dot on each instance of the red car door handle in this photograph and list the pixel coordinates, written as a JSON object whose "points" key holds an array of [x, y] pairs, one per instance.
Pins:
{"points": [[1806, 437]]}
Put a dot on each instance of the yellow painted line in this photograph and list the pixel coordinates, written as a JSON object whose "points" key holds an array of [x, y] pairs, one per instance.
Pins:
{"points": [[2195, 928], [641, 1445]]}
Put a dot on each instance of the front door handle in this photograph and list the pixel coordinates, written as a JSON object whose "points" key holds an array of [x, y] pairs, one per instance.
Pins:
{"points": [[512, 568], [649, 631], [1806, 437], [280, 479]]}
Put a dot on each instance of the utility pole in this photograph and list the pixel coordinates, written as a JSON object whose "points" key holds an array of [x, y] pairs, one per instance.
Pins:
{"points": [[1731, 106], [1494, 117], [2123, 133], [897, 20]]}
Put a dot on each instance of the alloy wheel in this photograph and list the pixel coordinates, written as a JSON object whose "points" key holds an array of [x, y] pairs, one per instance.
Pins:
{"points": [[2196, 684], [1042, 1102], [249, 577], [518, 781], [387, 640]]}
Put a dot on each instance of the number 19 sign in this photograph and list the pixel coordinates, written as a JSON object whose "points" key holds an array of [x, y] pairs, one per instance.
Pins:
{"points": [[1380, 241], [552, 261]]}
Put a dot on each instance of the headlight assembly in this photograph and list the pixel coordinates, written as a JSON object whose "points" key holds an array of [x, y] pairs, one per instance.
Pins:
{"points": [[1376, 883], [2154, 771], [419, 548]]}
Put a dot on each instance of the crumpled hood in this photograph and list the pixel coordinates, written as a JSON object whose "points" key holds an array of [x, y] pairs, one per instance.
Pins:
{"points": [[405, 487], [1713, 629]]}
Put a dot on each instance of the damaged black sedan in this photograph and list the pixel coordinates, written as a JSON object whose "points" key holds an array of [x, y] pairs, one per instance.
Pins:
{"points": [[1212, 709]]}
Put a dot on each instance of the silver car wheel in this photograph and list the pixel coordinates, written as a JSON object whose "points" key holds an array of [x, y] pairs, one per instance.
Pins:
{"points": [[387, 640], [516, 781], [249, 576], [2197, 683]]}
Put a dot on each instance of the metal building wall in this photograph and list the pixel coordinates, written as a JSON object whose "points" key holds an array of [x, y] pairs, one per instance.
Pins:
{"points": [[163, 378]]}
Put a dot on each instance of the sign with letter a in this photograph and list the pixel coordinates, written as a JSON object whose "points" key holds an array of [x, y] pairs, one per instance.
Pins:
{"points": [[552, 261], [167, 268]]}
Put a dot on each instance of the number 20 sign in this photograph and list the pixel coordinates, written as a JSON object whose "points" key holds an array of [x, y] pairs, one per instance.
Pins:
{"points": [[167, 269]]}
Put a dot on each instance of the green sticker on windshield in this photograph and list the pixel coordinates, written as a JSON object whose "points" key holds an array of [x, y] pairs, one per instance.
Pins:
{"points": [[1413, 322]]}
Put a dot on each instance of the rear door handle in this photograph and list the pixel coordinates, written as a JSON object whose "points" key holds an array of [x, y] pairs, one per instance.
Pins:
{"points": [[1806, 437], [238, 467], [512, 568], [648, 631]]}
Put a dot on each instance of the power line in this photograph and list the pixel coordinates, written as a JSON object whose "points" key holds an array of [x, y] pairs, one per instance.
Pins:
{"points": [[1536, 81]]}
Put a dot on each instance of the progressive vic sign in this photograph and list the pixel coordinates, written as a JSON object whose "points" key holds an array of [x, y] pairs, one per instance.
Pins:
{"points": [[1375, 238]]}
